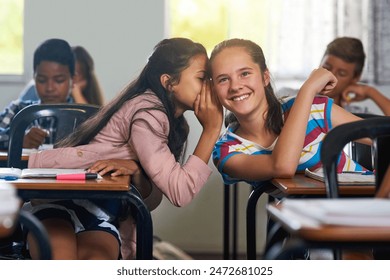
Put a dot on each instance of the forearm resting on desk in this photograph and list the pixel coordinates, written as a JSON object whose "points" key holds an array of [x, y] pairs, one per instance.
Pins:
{"points": [[151, 195]]}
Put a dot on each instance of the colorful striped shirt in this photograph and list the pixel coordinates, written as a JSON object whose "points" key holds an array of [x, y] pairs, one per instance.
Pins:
{"points": [[319, 124]]}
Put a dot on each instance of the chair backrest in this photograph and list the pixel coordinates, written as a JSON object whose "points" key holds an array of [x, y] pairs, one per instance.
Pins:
{"points": [[362, 153], [67, 118], [374, 128]]}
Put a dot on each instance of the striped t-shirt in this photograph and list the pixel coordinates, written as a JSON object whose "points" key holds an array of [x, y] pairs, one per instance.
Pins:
{"points": [[319, 124]]}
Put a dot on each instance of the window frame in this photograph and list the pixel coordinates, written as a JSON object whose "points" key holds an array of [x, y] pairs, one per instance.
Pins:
{"points": [[16, 79]]}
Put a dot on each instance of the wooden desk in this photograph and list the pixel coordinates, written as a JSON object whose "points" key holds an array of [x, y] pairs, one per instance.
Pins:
{"points": [[298, 186], [108, 183], [296, 226], [303, 185], [4, 156], [107, 188], [25, 154], [307, 235]]}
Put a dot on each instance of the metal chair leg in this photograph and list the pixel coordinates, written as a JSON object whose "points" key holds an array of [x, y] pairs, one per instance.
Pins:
{"points": [[144, 226], [251, 222], [36, 228], [251, 218]]}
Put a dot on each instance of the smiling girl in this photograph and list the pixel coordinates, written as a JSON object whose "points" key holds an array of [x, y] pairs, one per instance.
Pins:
{"points": [[266, 137]]}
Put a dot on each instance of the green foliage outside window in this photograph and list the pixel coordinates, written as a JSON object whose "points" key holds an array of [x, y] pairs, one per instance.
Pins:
{"points": [[11, 37], [202, 21], [210, 22]]}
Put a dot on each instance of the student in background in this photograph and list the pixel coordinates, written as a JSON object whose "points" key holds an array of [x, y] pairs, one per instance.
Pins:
{"points": [[54, 68], [86, 88], [143, 133], [362, 92], [345, 58]]}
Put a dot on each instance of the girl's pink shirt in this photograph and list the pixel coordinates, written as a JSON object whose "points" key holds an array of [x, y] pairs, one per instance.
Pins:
{"points": [[179, 183]]}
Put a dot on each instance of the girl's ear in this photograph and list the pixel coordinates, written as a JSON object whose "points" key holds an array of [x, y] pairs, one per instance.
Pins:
{"points": [[266, 78], [165, 82]]}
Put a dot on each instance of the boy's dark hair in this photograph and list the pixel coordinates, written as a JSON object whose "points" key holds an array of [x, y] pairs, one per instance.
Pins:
{"points": [[55, 50], [348, 49]]}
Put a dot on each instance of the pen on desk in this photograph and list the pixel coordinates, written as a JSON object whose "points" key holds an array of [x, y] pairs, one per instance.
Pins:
{"points": [[366, 172], [11, 178], [78, 176]]}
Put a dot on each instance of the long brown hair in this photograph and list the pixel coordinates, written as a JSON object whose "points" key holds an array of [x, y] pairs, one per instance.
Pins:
{"points": [[93, 92], [170, 56]]}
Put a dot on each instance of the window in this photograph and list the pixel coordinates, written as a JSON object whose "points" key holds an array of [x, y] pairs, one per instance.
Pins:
{"points": [[293, 33], [11, 37]]}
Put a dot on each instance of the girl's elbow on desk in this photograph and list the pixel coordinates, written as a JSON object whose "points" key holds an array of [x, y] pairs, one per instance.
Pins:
{"points": [[283, 172]]}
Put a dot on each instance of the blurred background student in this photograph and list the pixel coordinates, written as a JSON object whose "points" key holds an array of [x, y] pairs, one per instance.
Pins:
{"points": [[54, 69], [345, 58], [86, 87]]}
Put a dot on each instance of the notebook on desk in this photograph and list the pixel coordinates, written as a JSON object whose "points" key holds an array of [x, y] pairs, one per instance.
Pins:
{"points": [[342, 211], [17, 173], [345, 178]]}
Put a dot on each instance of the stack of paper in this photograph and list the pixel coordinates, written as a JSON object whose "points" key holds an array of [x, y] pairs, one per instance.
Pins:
{"points": [[345, 178], [343, 211]]}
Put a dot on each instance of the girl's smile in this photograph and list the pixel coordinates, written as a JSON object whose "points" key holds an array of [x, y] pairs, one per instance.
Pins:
{"points": [[238, 82], [241, 97]]}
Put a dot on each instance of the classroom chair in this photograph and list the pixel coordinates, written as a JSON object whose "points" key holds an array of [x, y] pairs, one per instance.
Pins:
{"points": [[362, 153], [303, 236], [359, 152], [68, 117], [10, 218]]}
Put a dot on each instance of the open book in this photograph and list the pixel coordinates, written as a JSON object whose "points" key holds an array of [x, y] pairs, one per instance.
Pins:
{"points": [[345, 178], [342, 211], [16, 173]]}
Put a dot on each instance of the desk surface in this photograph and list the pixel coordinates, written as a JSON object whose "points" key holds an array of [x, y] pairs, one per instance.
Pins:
{"points": [[297, 226], [4, 157], [303, 185], [108, 183], [25, 152]]}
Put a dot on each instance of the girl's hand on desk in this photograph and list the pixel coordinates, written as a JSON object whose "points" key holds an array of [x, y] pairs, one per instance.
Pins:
{"points": [[117, 167]]}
